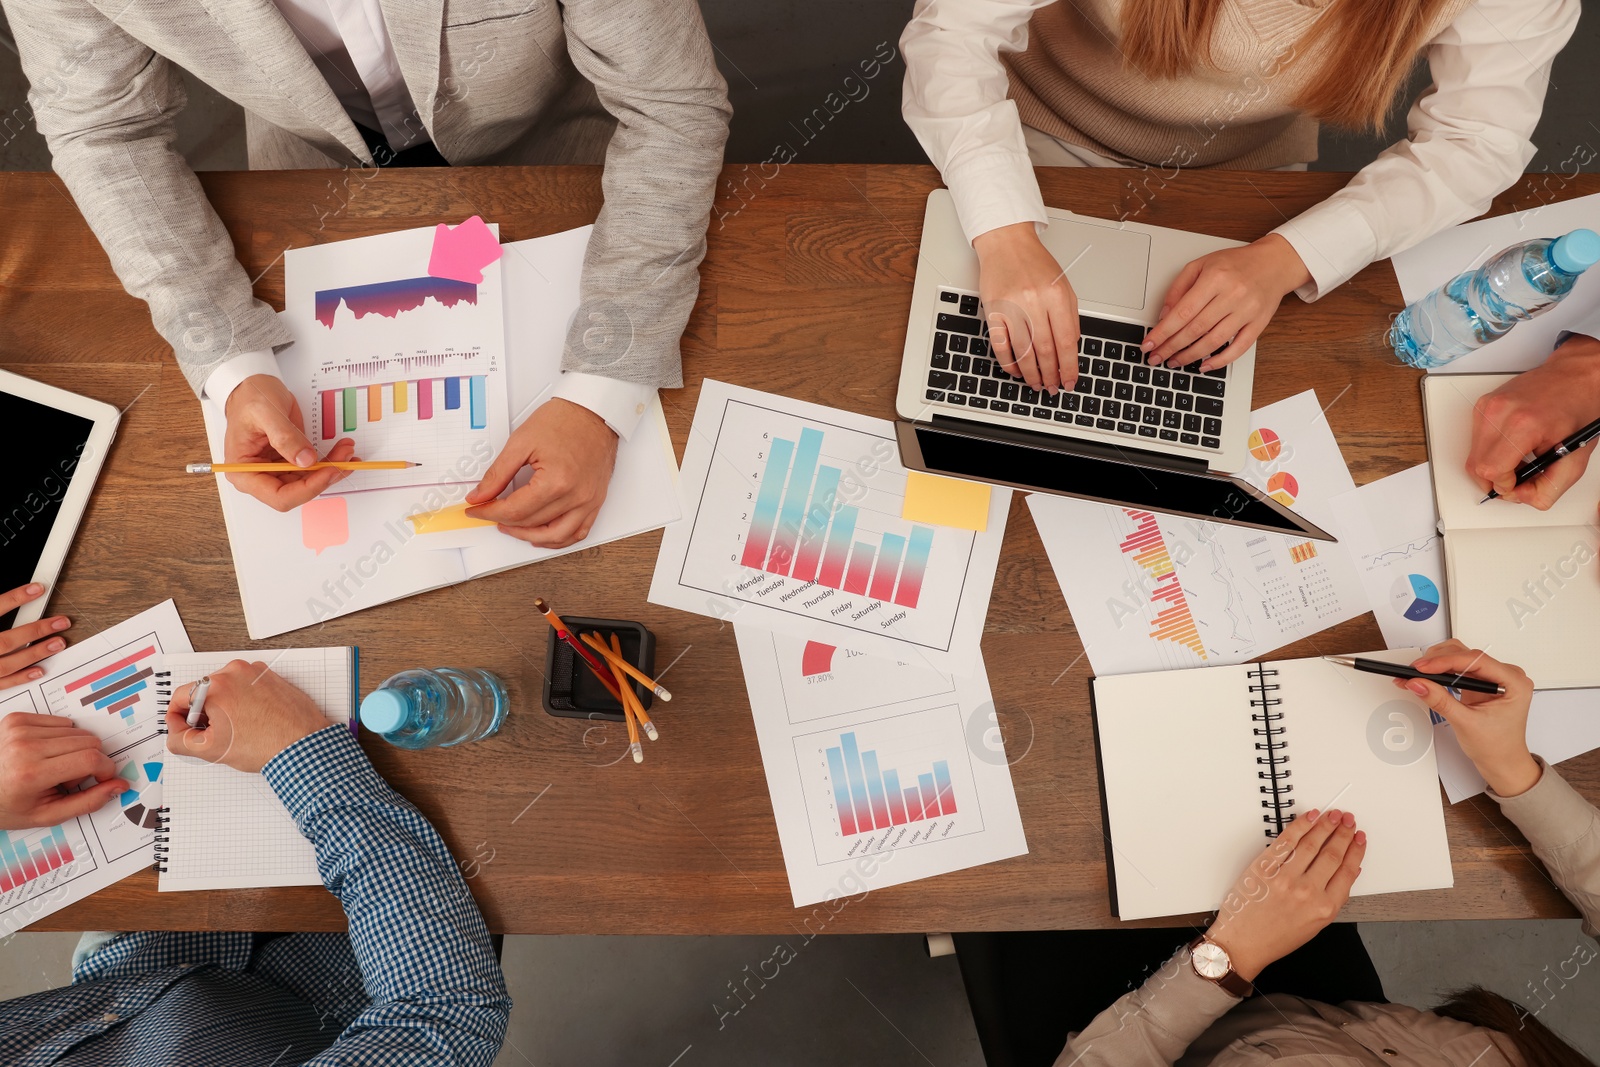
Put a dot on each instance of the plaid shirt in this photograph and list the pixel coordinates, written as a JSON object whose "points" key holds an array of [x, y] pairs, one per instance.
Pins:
{"points": [[415, 981]]}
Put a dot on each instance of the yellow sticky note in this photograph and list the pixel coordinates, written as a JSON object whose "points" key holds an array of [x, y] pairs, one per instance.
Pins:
{"points": [[454, 517], [946, 501]]}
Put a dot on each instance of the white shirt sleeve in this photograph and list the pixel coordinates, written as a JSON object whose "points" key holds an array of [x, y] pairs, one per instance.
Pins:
{"points": [[955, 102], [620, 404], [1469, 138], [227, 375]]}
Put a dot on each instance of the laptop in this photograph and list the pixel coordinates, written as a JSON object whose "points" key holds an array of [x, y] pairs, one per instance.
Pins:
{"points": [[1120, 431]]}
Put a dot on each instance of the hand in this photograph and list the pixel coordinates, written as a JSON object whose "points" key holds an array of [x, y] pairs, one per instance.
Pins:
{"points": [[1492, 730], [265, 426], [41, 756], [1291, 891], [23, 646], [1225, 298], [571, 451], [1032, 310], [251, 715], [1532, 413]]}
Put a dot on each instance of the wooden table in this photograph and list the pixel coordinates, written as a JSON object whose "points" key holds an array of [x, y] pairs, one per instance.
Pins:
{"points": [[805, 293]]}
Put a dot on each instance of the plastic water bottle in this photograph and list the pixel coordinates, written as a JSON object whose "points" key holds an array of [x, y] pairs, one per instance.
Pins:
{"points": [[423, 708], [1481, 305]]}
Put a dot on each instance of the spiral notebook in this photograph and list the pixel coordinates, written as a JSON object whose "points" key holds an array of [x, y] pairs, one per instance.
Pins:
{"points": [[225, 829], [1201, 768]]}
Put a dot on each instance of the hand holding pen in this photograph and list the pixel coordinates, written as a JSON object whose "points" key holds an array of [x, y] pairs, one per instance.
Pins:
{"points": [[1538, 414]]}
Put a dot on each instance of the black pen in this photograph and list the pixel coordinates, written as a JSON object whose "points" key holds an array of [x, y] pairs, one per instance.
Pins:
{"points": [[1540, 462], [1401, 670]]}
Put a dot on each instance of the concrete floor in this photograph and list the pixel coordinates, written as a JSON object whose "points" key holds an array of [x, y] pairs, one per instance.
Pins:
{"points": [[884, 1001]]}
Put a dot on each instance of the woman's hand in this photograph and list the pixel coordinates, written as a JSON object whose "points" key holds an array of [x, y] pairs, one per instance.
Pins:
{"points": [[1224, 298], [1492, 730], [1031, 308], [1532, 413], [1291, 891], [42, 759], [23, 646]]}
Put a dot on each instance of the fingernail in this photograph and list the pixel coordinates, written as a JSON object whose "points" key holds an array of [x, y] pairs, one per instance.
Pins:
{"points": [[1361, 839], [1334, 814], [305, 458], [1311, 816], [33, 589], [56, 646], [35, 674], [60, 624], [1417, 686], [1145, 346]]}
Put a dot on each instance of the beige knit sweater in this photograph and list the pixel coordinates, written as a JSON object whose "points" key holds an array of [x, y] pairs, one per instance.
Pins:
{"points": [[1238, 111]]}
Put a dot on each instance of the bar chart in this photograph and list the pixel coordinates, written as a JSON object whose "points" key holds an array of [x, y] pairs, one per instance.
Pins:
{"points": [[886, 783], [349, 409], [1173, 621], [29, 855], [113, 694]]}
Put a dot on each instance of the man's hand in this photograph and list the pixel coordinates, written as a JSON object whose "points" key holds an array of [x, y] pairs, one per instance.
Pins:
{"points": [[1224, 298], [1492, 730], [1032, 310], [251, 715], [1291, 891], [41, 758], [23, 646], [571, 451], [265, 426], [1532, 413]]}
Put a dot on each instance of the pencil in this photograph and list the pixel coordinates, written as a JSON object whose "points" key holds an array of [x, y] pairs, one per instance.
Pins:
{"points": [[601, 671], [272, 468], [618, 664], [630, 709], [627, 668]]}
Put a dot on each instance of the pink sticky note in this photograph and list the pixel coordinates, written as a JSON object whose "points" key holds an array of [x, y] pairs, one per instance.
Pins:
{"points": [[461, 253], [324, 523]]}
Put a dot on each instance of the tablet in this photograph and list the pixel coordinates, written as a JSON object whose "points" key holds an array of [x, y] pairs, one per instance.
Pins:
{"points": [[53, 443]]}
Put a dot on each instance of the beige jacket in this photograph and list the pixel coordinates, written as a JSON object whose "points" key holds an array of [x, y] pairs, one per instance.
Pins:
{"points": [[1177, 1017]]}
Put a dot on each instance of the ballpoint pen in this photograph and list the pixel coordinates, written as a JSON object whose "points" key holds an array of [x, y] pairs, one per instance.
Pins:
{"points": [[1537, 464], [1400, 670], [197, 701]]}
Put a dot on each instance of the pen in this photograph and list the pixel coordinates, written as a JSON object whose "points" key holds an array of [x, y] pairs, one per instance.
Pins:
{"points": [[1537, 464], [1400, 670], [597, 666], [268, 468], [197, 701]]}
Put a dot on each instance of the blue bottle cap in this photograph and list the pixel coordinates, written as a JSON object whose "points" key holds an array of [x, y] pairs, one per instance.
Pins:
{"points": [[385, 711], [1577, 251]]}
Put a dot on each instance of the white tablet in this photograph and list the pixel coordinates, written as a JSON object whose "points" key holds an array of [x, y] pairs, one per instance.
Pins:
{"points": [[53, 444]]}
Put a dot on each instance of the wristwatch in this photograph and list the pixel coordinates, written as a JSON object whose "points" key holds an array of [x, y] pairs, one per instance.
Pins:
{"points": [[1210, 961]]}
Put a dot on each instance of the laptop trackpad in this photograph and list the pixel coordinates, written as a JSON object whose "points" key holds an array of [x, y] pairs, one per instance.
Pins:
{"points": [[1105, 264]]}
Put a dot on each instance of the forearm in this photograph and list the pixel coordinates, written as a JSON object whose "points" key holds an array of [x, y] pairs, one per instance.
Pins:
{"points": [[1154, 1024], [424, 951], [1564, 830]]}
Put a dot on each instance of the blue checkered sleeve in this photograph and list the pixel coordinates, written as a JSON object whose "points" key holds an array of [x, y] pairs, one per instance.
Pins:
{"points": [[438, 995]]}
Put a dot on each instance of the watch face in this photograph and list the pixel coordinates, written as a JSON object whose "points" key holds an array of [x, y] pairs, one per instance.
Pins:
{"points": [[1210, 961]]}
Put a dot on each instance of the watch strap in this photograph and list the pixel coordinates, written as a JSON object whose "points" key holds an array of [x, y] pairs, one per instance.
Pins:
{"points": [[1232, 983]]}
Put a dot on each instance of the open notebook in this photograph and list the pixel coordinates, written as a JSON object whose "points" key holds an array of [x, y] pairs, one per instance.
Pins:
{"points": [[1201, 768], [225, 829], [1524, 584]]}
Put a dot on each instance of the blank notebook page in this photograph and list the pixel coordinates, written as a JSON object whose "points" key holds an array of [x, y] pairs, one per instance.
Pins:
{"points": [[227, 829]]}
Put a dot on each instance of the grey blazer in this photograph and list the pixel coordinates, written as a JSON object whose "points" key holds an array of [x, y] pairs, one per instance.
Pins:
{"points": [[482, 74]]}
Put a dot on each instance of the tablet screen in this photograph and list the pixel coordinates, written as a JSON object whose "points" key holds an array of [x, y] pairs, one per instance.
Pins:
{"points": [[41, 446]]}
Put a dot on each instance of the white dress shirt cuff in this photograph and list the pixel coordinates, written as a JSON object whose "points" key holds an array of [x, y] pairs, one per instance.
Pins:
{"points": [[1334, 240], [993, 190], [620, 404], [226, 376]]}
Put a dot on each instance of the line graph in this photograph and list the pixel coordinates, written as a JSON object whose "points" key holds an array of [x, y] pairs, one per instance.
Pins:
{"points": [[392, 299]]}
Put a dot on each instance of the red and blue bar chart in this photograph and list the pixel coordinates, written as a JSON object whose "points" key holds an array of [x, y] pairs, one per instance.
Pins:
{"points": [[800, 528], [869, 797], [115, 688], [29, 854]]}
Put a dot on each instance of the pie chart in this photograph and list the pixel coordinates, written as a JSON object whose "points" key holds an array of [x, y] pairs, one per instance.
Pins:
{"points": [[1414, 597], [1282, 487], [139, 776], [1264, 445]]}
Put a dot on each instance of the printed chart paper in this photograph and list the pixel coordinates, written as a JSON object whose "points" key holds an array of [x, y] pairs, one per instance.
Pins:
{"points": [[881, 771], [792, 521], [1392, 532], [1153, 592], [105, 685], [409, 366]]}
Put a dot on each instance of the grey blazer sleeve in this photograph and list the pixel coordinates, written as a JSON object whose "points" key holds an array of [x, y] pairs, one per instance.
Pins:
{"points": [[104, 103], [652, 66]]}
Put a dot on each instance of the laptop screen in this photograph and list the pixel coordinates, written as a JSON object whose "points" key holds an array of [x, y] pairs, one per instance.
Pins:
{"points": [[1125, 482]]}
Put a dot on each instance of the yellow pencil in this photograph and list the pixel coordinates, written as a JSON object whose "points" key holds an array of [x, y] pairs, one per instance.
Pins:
{"points": [[630, 705], [277, 468], [627, 668], [617, 664]]}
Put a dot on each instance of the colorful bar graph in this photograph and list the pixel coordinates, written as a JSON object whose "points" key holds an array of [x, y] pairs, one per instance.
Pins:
{"points": [[869, 797], [1174, 622], [888, 568], [424, 398], [22, 862], [765, 515], [780, 558], [855, 579], [478, 405], [816, 524], [844, 528], [910, 587], [108, 670], [452, 394], [350, 409]]}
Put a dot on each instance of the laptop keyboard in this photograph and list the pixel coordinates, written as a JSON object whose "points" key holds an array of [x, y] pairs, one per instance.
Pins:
{"points": [[1115, 389]]}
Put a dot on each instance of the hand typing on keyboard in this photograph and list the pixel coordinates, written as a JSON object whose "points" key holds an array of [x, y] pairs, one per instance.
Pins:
{"points": [[1031, 308], [1219, 304]]}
